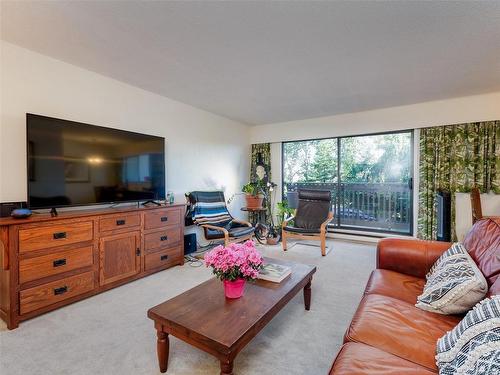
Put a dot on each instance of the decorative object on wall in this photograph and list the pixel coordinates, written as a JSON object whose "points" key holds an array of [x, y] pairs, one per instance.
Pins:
{"points": [[456, 158]]}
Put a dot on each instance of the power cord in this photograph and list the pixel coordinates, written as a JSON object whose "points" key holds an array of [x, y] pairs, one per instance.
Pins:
{"points": [[192, 261], [196, 259]]}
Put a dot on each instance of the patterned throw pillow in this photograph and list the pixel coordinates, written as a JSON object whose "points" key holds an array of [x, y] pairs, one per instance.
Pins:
{"points": [[454, 283], [473, 346]]}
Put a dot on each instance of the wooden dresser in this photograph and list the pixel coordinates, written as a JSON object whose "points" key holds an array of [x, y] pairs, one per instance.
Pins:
{"points": [[48, 262]]}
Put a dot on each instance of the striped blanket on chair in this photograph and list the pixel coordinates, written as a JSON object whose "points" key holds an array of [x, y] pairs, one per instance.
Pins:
{"points": [[209, 207]]}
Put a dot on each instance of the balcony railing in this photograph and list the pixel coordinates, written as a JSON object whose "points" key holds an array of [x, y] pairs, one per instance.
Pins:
{"points": [[371, 206]]}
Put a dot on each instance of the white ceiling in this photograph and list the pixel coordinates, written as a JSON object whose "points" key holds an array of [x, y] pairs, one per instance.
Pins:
{"points": [[263, 62]]}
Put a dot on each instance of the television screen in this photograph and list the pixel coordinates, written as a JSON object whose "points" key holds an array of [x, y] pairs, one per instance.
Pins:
{"points": [[73, 164]]}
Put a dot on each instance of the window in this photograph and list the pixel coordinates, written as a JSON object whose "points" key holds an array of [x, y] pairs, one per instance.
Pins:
{"points": [[137, 168], [370, 178]]}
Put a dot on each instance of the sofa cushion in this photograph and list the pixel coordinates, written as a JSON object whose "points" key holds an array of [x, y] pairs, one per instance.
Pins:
{"points": [[399, 328], [495, 287], [483, 244], [473, 346], [394, 284], [454, 284], [361, 359]]}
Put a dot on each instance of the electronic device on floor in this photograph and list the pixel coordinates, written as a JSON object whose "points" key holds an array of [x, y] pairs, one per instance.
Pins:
{"points": [[189, 243]]}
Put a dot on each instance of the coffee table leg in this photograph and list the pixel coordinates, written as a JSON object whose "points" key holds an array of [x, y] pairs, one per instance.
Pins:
{"points": [[162, 347], [226, 367], [307, 295]]}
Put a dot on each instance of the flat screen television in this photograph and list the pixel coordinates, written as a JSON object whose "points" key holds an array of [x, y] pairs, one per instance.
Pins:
{"points": [[75, 164]]}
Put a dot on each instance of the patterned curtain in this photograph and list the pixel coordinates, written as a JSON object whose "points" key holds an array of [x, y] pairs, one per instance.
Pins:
{"points": [[262, 150], [456, 158]]}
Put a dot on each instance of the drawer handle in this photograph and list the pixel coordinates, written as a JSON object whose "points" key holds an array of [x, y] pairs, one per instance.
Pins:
{"points": [[59, 262], [138, 251], [164, 218], [120, 222], [163, 238], [59, 235], [60, 290], [164, 257]]}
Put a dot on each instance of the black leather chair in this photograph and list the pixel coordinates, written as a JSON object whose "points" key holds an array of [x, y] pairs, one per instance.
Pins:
{"points": [[311, 218], [208, 210]]}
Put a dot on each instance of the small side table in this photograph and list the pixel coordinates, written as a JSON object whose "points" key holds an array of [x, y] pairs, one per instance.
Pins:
{"points": [[260, 214]]}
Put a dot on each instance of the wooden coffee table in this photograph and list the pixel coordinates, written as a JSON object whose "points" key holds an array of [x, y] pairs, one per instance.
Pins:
{"points": [[204, 318]]}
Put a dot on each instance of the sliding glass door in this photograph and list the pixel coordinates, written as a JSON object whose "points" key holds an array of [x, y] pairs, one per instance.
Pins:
{"points": [[370, 178]]}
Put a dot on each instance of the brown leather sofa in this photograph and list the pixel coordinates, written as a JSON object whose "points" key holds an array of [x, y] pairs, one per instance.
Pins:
{"points": [[388, 334]]}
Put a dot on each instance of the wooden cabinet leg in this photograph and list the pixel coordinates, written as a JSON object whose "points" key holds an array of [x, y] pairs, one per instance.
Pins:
{"points": [[307, 295], [12, 324], [226, 367], [162, 347]]}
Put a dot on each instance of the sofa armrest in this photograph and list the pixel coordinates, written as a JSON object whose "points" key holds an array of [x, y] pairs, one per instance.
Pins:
{"points": [[409, 256]]}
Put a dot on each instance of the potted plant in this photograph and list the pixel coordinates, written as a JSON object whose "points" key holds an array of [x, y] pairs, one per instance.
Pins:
{"points": [[234, 265], [283, 212], [253, 194], [274, 235]]}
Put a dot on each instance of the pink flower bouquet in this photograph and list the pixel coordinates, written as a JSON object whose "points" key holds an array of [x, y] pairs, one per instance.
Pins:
{"points": [[235, 262]]}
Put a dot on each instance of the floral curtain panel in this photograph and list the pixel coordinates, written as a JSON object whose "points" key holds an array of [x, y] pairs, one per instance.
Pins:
{"points": [[456, 158], [261, 153], [262, 150]]}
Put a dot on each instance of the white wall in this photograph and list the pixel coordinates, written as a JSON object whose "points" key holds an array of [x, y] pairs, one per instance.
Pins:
{"points": [[204, 151], [442, 112]]}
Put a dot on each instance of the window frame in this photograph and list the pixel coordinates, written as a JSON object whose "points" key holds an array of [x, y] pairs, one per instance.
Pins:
{"points": [[411, 183]]}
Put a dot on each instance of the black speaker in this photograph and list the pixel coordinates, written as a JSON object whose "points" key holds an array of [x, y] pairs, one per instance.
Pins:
{"points": [[189, 243], [7, 207], [443, 205]]}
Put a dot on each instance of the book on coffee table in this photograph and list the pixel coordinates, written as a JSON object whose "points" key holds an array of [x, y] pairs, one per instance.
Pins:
{"points": [[274, 272]]}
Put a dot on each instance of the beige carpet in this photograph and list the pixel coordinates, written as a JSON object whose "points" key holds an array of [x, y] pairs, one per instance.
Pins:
{"points": [[110, 333]]}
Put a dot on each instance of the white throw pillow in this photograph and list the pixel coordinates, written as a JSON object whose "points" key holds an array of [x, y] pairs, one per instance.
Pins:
{"points": [[473, 346], [454, 283]]}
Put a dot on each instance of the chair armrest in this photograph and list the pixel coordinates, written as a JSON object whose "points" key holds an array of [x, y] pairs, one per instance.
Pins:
{"points": [[214, 227], [287, 220], [243, 222], [409, 256], [322, 228]]}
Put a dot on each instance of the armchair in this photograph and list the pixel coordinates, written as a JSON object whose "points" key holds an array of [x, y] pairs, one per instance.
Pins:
{"points": [[311, 218], [209, 211]]}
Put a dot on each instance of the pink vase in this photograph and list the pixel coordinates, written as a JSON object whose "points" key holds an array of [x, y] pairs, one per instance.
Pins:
{"points": [[234, 289]]}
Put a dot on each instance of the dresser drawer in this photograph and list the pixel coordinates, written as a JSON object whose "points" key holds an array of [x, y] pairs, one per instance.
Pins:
{"points": [[163, 258], [54, 263], [31, 239], [162, 217], [119, 222], [50, 293], [161, 239]]}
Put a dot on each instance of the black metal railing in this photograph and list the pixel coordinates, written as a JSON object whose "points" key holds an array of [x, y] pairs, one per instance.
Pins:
{"points": [[384, 207]]}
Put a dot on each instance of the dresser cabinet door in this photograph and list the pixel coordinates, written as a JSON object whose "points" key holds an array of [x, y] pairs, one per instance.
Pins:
{"points": [[120, 257]]}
